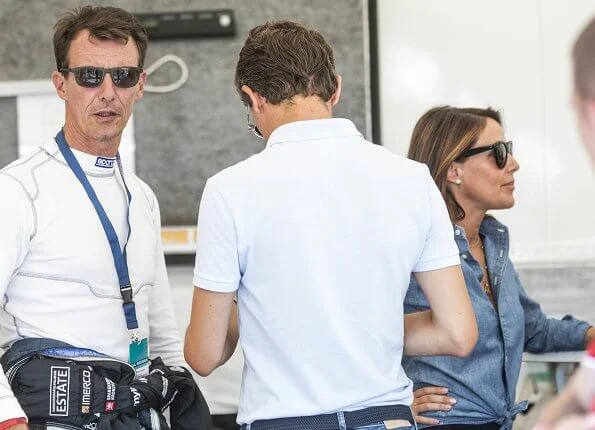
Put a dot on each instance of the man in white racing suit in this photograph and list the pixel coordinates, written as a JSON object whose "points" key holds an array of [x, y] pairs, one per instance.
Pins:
{"points": [[58, 276]]}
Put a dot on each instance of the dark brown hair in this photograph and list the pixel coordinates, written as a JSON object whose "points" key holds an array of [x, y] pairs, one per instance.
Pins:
{"points": [[583, 55], [282, 59], [110, 23], [439, 138]]}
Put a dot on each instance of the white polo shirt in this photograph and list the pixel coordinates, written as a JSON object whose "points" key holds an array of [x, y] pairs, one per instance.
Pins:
{"points": [[319, 233]]}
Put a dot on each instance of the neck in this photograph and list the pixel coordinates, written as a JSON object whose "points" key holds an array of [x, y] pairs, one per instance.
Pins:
{"points": [[299, 108], [102, 148], [471, 224]]}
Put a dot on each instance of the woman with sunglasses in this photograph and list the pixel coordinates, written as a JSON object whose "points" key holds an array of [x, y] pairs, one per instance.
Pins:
{"points": [[473, 166]]}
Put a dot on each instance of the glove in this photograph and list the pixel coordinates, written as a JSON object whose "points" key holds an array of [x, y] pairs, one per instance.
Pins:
{"points": [[189, 410], [154, 392]]}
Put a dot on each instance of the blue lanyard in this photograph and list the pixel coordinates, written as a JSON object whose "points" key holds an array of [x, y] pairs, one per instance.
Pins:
{"points": [[118, 254]]}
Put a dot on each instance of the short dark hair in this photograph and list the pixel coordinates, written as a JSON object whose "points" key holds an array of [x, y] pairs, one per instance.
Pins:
{"points": [[283, 59], [583, 55], [440, 136], [103, 22]]}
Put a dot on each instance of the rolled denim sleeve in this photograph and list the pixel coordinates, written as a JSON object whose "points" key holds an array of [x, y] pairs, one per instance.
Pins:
{"points": [[543, 334]]}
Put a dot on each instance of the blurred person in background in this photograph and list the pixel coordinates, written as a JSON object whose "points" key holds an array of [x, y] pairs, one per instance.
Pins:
{"points": [[574, 407]]}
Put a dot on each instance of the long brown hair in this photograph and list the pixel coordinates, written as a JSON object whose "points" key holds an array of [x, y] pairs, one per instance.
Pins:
{"points": [[439, 138]]}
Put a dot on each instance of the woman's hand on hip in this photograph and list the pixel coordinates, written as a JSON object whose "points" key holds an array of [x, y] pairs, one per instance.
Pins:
{"points": [[430, 399]]}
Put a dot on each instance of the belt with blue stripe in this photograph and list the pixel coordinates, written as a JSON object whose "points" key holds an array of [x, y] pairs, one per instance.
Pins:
{"points": [[359, 418]]}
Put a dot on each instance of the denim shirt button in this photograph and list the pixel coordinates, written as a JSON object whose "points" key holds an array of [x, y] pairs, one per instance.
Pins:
{"points": [[464, 256], [457, 232]]}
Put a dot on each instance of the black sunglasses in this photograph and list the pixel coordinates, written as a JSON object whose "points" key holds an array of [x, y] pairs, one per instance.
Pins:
{"points": [[92, 77], [501, 151]]}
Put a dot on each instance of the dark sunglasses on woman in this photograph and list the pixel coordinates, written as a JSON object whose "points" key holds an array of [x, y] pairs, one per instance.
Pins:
{"points": [[501, 151], [92, 77]]}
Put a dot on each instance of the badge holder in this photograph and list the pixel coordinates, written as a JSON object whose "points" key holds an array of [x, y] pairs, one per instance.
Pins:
{"points": [[138, 353], [138, 349]]}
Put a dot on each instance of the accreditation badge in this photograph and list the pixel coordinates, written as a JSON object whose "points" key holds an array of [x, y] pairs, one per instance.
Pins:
{"points": [[138, 353]]}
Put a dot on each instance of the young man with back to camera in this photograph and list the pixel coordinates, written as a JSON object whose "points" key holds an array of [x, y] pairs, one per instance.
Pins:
{"points": [[318, 235]]}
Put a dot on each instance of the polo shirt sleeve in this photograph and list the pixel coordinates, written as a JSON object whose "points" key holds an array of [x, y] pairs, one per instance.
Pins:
{"points": [[217, 265], [440, 250]]}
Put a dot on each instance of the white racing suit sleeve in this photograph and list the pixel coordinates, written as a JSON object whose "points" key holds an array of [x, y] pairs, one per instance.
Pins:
{"points": [[17, 227], [164, 338]]}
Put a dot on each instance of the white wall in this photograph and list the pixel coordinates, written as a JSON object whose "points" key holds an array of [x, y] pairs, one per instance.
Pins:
{"points": [[515, 56]]}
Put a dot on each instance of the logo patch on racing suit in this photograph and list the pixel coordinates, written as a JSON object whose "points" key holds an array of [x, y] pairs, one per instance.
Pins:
{"points": [[86, 391], [135, 396], [59, 391], [110, 395], [106, 163]]}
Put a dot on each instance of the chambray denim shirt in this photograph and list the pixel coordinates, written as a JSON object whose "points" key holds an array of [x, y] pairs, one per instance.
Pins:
{"points": [[484, 383]]}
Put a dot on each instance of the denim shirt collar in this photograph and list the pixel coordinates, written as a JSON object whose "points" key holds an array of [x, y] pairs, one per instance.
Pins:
{"points": [[490, 228]]}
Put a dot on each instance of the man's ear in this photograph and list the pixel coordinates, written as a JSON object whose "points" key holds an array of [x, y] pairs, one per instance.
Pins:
{"points": [[141, 86], [60, 83], [337, 94], [257, 101]]}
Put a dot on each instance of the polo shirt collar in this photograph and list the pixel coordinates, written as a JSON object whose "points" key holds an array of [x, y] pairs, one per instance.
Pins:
{"points": [[317, 129]]}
